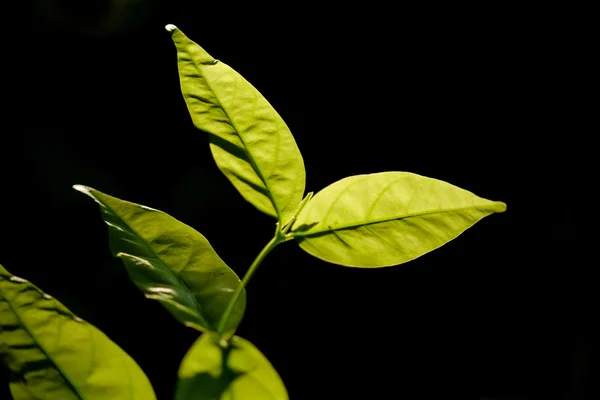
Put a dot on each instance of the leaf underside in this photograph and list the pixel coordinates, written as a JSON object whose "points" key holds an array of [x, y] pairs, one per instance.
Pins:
{"points": [[250, 142], [385, 219], [54, 355], [171, 262], [217, 370]]}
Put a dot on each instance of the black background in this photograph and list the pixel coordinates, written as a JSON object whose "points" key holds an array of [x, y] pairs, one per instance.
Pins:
{"points": [[475, 97]]}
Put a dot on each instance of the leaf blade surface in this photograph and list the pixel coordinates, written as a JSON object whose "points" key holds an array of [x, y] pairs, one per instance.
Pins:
{"points": [[170, 262], [53, 354], [387, 218], [250, 142], [214, 370]]}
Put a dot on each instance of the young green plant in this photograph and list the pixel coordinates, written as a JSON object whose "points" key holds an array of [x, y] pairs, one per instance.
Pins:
{"points": [[364, 221]]}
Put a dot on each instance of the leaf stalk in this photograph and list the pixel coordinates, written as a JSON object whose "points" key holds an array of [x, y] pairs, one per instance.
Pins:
{"points": [[277, 239]]}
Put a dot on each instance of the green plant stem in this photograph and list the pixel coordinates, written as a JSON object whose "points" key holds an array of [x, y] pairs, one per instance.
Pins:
{"points": [[232, 302]]}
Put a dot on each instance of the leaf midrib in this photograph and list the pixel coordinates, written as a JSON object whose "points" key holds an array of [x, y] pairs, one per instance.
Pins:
{"points": [[237, 131], [151, 250], [33, 338], [387, 219]]}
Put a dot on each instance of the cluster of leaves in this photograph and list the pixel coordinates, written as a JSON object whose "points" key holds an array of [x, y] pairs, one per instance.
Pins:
{"points": [[372, 220]]}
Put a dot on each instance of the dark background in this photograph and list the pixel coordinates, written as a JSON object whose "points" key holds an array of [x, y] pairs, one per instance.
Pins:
{"points": [[476, 97]]}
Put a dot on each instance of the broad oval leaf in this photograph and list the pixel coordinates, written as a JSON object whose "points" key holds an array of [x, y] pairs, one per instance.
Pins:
{"points": [[214, 369], [171, 262], [387, 218], [55, 355], [250, 142]]}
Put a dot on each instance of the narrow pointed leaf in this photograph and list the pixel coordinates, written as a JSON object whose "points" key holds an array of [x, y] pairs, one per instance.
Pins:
{"points": [[387, 218], [217, 370], [54, 355], [250, 142], [170, 262]]}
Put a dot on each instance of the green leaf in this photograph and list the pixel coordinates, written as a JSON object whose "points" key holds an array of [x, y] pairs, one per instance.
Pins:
{"points": [[55, 355], [171, 262], [250, 142], [387, 218], [214, 369]]}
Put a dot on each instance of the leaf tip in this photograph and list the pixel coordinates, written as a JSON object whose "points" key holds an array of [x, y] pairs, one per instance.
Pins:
{"points": [[500, 207], [82, 189], [170, 28]]}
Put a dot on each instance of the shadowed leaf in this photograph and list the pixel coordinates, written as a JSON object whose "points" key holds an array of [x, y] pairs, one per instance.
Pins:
{"points": [[171, 262], [54, 355], [217, 370]]}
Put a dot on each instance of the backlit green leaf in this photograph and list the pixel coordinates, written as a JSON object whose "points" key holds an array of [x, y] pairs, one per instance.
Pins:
{"points": [[250, 142], [387, 218], [54, 355], [235, 370], [170, 262]]}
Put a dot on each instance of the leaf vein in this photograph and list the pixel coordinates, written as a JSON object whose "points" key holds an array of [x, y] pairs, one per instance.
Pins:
{"points": [[379, 196], [379, 221], [328, 212], [237, 131], [29, 332], [158, 258]]}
